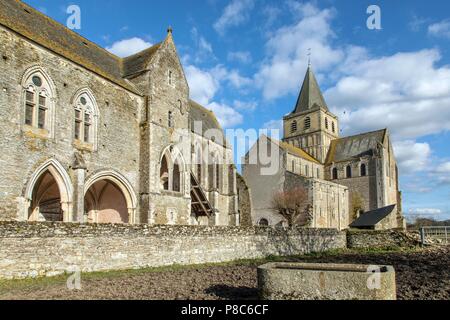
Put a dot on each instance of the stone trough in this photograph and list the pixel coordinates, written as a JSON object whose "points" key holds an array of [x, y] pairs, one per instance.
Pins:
{"points": [[306, 281]]}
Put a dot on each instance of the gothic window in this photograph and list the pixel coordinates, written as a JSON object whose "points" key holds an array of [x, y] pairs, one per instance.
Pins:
{"points": [[349, 171], [37, 96], [363, 170], [294, 126], [307, 123], [326, 123], [176, 183], [164, 173], [85, 112], [335, 173]]}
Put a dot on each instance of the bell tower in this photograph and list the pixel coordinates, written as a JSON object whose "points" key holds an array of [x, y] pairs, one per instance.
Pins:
{"points": [[311, 126]]}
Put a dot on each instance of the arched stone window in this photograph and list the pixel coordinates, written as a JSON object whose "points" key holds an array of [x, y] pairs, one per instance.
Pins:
{"points": [[307, 123], [263, 223], [170, 120], [349, 171], [363, 170], [326, 123], [38, 100], [293, 126], [85, 118], [164, 173], [171, 171], [335, 173]]}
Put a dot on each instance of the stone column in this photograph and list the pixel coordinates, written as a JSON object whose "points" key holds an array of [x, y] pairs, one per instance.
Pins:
{"points": [[79, 170]]}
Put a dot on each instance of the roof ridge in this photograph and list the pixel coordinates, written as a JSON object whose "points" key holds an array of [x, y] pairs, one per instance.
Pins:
{"points": [[68, 29], [360, 134]]}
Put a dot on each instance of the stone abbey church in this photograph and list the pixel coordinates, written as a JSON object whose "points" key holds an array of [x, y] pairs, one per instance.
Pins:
{"points": [[351, 181], [89, 137]]}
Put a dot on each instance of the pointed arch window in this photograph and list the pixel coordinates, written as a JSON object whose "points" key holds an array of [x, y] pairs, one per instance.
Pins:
{"points": [[164, 173], [335, 173], [85, 118], [294, 126], [171, 171], [363, 170], [38, 98], [349, 171], [307, 123]]}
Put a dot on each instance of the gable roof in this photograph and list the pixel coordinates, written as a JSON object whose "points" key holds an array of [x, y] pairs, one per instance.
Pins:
{"points": [[37, 27], [294, 150], [372, 218], [138, 62], [207, 118], [356, 146], [310, 95]]}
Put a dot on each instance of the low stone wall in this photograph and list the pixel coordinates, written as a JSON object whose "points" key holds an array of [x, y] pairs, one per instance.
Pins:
{"points": [[47, 249], [357, 239]]}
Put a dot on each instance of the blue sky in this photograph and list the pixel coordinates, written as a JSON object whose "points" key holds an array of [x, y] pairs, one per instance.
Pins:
{"points": [[246, 59]]}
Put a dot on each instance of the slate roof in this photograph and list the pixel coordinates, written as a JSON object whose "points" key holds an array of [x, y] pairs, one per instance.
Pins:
{"points": [[37, 27], [138, 62], [372, 218], [357, 146], [198, 113], [294, 150], [310, 95]]}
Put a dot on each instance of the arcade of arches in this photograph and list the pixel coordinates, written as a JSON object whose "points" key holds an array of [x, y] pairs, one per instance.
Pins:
{"points": [[105, 200]]}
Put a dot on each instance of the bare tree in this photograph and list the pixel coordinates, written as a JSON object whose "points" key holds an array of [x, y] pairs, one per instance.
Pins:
{"points": [[294, 206]]}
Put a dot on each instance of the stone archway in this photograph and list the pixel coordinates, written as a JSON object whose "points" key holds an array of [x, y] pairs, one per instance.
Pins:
{"points": [[48, 194], [109, 198]]}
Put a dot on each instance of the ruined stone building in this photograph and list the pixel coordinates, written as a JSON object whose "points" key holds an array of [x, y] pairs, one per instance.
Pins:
{"points": [[347, 178], [87, 136]]}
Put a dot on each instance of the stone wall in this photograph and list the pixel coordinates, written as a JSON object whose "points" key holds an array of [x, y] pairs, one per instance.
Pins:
{"points": [[46, 249], [381, 239]]}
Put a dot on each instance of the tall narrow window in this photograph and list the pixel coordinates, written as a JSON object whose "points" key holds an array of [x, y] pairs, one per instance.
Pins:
{"points": [[307, 123], [307, 171], [217, 182], [164, 174], [84, 120], [326, 123], [349, 172], [294, 126], [333, 127], [37, 101], [335, 173], [176, 183], [170, 78], [363, 170], [170, 116]]}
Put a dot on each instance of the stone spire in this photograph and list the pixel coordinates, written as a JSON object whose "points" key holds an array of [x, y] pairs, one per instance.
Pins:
{"points": [[310, 95]]}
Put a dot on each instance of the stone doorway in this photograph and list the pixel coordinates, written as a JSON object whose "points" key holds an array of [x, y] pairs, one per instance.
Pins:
{"points": [[46, 201]]}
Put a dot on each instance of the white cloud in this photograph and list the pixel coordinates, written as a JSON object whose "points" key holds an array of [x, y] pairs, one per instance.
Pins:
{"points": [[202, 51], [443, 168], [287, 49], [234, 14], [245, 105], [202, 84], [412, 156], [128, 47], [440, 29], [425, 211], [227, 116], [240, 56]]}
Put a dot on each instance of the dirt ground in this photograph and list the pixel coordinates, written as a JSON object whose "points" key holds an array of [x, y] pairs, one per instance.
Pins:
{"points": [[420, 275]]}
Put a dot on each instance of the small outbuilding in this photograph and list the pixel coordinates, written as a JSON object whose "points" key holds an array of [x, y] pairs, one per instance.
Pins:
{"points": [[379, 219]]}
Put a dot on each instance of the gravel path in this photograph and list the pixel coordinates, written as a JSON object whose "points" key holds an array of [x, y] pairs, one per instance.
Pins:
{"points": [[420, 275]]}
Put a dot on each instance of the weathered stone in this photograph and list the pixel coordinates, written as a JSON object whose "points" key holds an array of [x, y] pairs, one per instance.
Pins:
{"points": [[303, 281]]}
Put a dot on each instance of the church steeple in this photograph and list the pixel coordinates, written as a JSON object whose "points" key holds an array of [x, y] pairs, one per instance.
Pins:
{"points": [[310, 95], [311, 126]]}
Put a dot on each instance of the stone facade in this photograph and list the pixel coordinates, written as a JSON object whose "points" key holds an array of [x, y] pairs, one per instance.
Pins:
{"points": [[47, 249], [89, 137], [345, 176], [381, 239]]}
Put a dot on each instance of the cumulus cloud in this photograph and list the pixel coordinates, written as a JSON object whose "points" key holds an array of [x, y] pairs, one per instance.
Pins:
{"points": [[287, 48], [226, 115], [234, 14], [128, 47], [440, 29], [412, 156], [202, 84]]}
